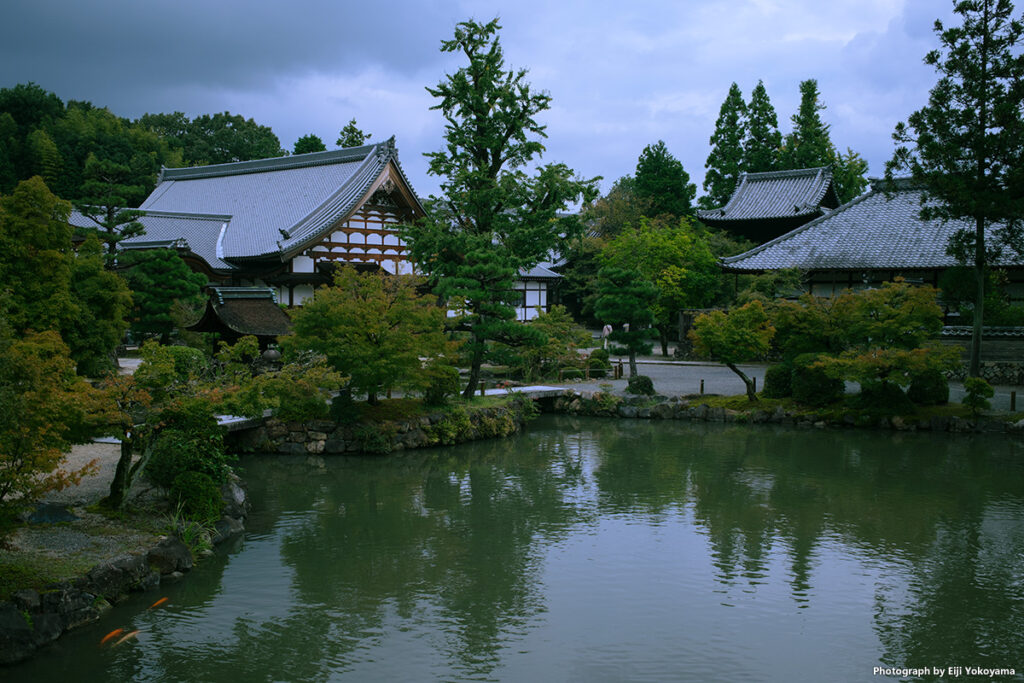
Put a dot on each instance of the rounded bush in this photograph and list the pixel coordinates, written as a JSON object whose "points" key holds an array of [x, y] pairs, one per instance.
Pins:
{"points": [[778, 381], [571, 373], [929, 388], [178, 450], [598, 367], [810, 385], [601, 355], [199, 496], [640, 384], [883, 398], [443, 384]]}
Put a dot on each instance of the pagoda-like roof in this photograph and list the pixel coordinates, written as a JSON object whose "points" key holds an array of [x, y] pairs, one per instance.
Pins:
{"points": [[880, 230], [243, 311], [777, 195], [268, 208]]}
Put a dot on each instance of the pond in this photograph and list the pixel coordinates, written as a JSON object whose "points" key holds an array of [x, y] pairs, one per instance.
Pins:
{"points": [[600, 550]]}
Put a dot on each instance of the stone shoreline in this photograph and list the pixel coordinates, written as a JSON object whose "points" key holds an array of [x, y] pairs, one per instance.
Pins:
{"points": [[32, 619], [603, 404]]}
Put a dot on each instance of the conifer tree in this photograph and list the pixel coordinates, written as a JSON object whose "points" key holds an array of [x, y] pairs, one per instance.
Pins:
{"points": [[660, 178], [725, 162], [309, 143], [351, 135], [966, 146], [762, 140], [809, 144]]}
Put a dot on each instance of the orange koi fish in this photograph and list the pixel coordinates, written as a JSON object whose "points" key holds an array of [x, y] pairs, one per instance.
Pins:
{"points": [[126, 637], [158, 603], [113, 634]]}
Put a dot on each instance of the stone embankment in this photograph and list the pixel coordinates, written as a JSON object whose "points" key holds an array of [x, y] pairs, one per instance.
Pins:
{"points": [[692, 408], [453, 425], [32, 619]]}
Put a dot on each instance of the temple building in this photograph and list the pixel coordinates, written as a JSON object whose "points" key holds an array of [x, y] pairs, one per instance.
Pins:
{"points": [[766, 205], [873, 239], [272, 230]]}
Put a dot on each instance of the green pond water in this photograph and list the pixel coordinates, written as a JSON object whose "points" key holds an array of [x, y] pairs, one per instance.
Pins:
{"points": [[600, 550]]}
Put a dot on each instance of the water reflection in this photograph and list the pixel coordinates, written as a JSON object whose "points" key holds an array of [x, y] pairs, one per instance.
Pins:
{"points": [[603, 550]]}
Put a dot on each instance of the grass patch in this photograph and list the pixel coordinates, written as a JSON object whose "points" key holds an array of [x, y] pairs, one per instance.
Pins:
{"points": [[36, 571]]}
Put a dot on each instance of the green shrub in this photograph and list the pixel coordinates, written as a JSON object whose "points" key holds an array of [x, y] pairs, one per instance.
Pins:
{"points": [[443, 384], [192, 442], [883, 398], [198, 495], [376, 437], [598, 366], [526, 406], [601, 355], [778, 381], [929, 388], [454, 427], [571, 373], [811, 386], [978, 393], [640, 384]]}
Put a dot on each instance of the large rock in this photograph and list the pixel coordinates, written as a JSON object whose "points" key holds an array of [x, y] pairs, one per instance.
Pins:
{"points": [[17, 639], [171, 555]]}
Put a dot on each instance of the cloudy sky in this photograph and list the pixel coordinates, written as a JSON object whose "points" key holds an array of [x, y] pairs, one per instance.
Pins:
{"points": [[622, 75]]}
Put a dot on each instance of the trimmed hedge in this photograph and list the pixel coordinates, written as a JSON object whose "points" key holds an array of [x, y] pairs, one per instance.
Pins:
{"points": [[811, 386], [778, 381]]}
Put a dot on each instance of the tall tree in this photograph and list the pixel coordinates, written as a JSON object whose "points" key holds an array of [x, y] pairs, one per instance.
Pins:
{"points": [[225, 137], [624, 298], [676, 259], [618, 210], [725, 162], [849, 175], [966, 146], [809, 144], [308, 143], [494, 220], [351, 135], [762, 140], [109, 189], [660, 179]]}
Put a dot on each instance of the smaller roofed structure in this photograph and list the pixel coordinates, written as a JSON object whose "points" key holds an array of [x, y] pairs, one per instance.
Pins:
{"points": [[766, 205], [235, 312]]}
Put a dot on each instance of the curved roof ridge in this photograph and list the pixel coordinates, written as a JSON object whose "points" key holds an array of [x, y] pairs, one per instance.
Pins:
{"points": [[789, 173], [334, 156], [796, 231], [339, 202]]}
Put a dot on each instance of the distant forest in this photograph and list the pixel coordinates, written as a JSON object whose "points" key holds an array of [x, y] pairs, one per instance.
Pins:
{"points": [[79, 148]]}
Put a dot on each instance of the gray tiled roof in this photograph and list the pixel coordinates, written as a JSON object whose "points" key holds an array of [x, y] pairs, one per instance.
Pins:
{"points": [[275, 205], [775, 194], [197, 232], [873, 232]]}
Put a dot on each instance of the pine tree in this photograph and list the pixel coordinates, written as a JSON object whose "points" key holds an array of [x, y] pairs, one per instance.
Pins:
{"points": [[809, 145], [660, 178], [725, 163], [351, 135], [762, 141], [966, 146]]}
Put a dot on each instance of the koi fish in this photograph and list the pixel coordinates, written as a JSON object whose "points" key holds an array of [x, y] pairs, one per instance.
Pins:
{"points": [[113, 634], [158, 603], [126, 637]]}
